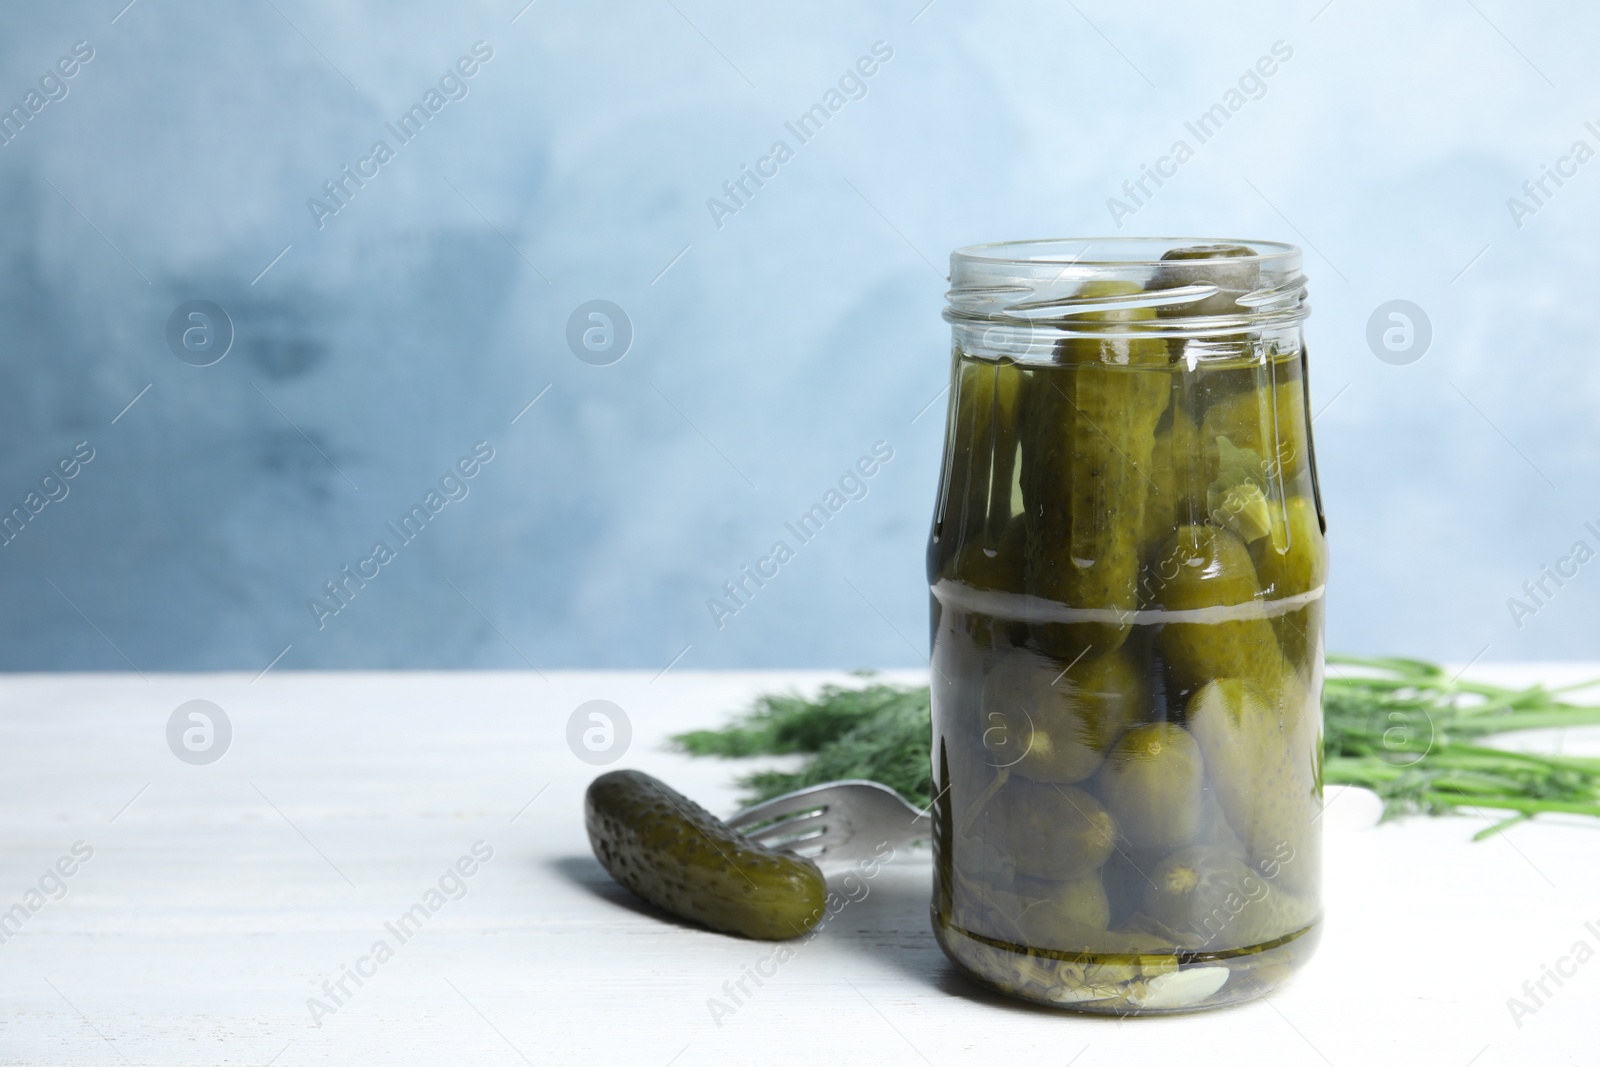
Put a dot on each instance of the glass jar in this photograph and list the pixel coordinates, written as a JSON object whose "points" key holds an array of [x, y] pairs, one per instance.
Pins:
{"points": [[1127, 568]]}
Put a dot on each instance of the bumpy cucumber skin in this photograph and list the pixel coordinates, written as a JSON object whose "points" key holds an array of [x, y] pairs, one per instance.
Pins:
{"points": [[1210, 567], [1153, 783], [1174, 474], [1093, 428], [1212, 895], [1055, 725], [681, 858], [1053, 832], [1265, 781]]}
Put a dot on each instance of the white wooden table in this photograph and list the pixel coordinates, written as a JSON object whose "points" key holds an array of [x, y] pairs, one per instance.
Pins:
{"points": [[219, 899]]}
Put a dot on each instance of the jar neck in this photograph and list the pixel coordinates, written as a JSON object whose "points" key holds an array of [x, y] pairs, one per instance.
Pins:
{"points": [[1019, 300]]}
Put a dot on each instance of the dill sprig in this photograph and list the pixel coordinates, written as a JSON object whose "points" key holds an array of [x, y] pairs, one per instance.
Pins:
{"points": [[1409, 732], [1403, 728], [879, 731]]}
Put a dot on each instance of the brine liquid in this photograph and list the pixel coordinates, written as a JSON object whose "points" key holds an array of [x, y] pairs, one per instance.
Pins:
{"points": [[1127, 575]]}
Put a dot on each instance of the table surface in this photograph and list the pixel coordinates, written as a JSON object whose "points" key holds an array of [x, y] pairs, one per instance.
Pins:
{"points": [[217, 900]]}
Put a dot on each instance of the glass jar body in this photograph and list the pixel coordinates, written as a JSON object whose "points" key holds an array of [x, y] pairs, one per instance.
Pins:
{"points": [[1127, 568]]}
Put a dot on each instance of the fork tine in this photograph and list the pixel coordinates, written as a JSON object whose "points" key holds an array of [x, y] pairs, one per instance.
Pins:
{"points": [[816, 798], [804, 825], [811, 844], [834, 823]]}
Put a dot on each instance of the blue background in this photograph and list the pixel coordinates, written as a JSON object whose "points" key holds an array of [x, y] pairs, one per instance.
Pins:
{"points": [[769, 352]]}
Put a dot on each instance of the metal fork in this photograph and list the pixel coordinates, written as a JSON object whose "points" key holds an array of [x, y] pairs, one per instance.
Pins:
{"points": [[835, 824]]}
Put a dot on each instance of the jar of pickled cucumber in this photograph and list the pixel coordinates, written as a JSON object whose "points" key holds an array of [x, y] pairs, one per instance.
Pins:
{"points": [[1127, 568]]}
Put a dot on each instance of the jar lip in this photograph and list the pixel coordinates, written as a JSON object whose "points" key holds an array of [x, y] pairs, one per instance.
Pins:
{"points": [[1059, 250], [1035, 290]]}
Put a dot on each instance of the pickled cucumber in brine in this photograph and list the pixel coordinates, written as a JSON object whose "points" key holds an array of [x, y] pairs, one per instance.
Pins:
{"points": [[1154, 786], [1263, 755], [1052, 722], [1223, 627], [1093, 430]]}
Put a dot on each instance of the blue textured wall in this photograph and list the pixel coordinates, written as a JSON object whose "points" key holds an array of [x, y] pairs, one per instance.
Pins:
{"points": [[776, 338]]}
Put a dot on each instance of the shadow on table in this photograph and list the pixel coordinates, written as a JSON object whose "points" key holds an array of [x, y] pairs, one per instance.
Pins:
{"points": [[887, 927], [586, 873], [890, 927]]}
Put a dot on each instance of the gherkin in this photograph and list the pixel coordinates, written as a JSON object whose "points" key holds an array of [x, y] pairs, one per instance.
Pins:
{"points": [[1092, 427], [1054, 725], [984, 414], [1298, 568], [681, 858], [1176, 487], [1211, 895], [1213, 578], [1153, 783], [1263, 759], [1269, 421]]}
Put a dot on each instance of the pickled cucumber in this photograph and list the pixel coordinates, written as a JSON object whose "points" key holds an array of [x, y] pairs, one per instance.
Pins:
{"points": [[1056, 832], [997, 566], [1263, 764], [1301, 565], [1298, 567], [681, 858], [1053, 723], [1216, 898], [1053, 910], [1174, 474], [1071, 917], [1197, 265], [1269, 422], [1153, 783], [1085, 535], [1045, 473], [1208, 567], [977, 499], [992, 568]]}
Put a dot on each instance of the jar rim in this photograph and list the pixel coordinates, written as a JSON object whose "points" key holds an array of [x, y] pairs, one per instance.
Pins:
{"points": [[1012, 252], [1028, 293]]}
